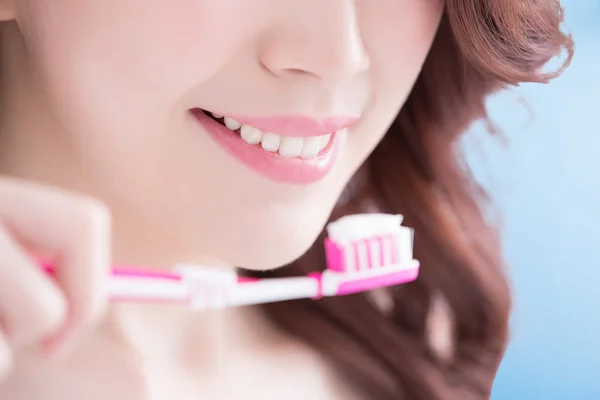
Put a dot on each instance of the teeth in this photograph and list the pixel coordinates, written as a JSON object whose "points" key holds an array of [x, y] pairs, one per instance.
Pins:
{"points": [[291, 147], [271, 141], [287, 146], [250, 134], [312, 146], [232, 123]]}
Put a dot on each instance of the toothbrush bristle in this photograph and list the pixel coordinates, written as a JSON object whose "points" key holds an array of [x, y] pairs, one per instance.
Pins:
{"points": [[379, 246]]}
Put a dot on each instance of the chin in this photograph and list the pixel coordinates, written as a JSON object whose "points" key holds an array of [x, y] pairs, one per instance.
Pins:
{"points": [[268, 256], [271, 251]]}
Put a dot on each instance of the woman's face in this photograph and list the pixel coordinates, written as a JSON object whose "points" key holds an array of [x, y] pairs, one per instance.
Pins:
{"points": [[122, 84]]}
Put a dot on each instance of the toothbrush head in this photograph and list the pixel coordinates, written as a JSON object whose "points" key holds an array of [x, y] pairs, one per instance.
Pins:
{"points": [[367, 241], [364, 252], [367, 251]]}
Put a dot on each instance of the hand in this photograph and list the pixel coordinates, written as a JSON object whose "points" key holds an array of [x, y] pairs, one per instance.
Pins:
{"points": [[71, 230]]}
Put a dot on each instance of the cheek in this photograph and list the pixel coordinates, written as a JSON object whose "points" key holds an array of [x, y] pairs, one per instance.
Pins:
{"points": [[133, 53], [116, 76], [401, 35], [398, 35]]}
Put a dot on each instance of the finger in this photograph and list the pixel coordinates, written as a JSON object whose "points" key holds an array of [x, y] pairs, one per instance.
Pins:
{"points": [[31, 306], [75, 230]]}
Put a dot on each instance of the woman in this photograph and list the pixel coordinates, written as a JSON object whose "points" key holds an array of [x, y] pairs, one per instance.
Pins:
{"points": [[337, 107]]}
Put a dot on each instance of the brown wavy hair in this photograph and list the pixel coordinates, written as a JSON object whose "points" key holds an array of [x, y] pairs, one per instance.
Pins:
{"points": [[447, 332]]}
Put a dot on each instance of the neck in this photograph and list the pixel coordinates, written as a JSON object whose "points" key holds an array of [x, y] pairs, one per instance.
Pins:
{"points": [[207, 339]]}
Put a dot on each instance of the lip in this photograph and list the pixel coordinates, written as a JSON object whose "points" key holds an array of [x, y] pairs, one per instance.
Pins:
{"points": [[272, 165]]}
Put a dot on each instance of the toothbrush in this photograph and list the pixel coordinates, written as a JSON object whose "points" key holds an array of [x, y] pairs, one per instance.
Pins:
{"points": [[363, 252]]}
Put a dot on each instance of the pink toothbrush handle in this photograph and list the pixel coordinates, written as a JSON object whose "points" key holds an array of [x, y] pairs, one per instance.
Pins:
{"points": [[377, 282], [133, 284]]}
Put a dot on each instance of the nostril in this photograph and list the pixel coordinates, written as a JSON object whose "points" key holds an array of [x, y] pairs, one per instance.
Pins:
{"points": [[286, 71], [324, 68], [296, 71]]}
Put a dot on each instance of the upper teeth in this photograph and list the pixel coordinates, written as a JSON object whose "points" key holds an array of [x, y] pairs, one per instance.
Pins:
{"points": [[287, 146]]}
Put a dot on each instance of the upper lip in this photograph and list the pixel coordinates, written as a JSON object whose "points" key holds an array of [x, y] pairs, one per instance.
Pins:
{"points": [[297, 125]]}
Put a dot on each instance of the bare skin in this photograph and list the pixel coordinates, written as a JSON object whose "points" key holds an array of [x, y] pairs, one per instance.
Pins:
{"points": [[133, 365], [134, 351], [101, 164]]}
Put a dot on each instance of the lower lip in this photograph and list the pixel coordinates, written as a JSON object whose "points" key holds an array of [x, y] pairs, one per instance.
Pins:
{"points": [[271, 165]]}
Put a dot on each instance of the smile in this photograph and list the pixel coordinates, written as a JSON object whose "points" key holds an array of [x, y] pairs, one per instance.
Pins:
{"points": [[293, 149]]}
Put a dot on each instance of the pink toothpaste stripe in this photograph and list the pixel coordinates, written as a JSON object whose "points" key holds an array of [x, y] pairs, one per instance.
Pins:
{"points": [[380, 243], [392, 241], [356, 250], [334, 255], [369, 254], [377, 252]]}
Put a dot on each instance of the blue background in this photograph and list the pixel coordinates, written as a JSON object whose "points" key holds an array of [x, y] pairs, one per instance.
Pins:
{"points": [[546, 184]]}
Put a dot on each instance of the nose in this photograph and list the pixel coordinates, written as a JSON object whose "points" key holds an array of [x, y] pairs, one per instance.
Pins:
{"points": [[314, 38]]}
